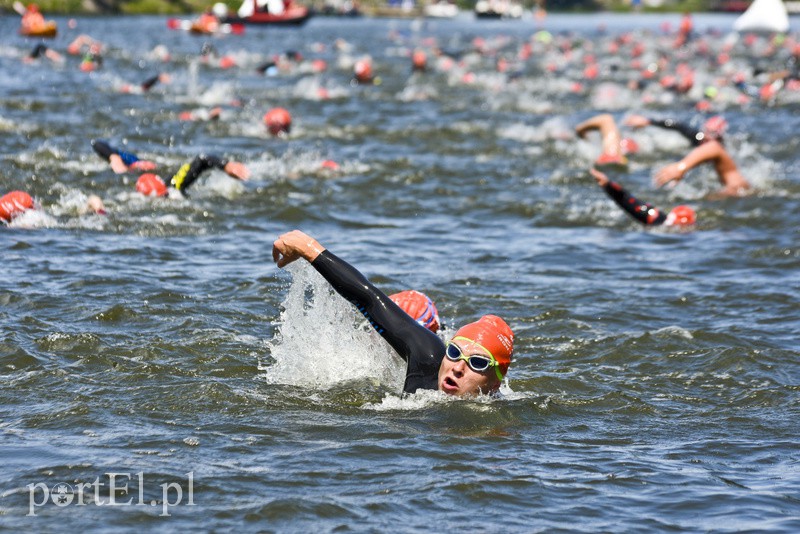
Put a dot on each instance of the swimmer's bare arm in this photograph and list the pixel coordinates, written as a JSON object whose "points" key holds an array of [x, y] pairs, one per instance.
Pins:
{"points": [[294, 245], [608, 131], [674, 172], [237, 170], [637, 121]]}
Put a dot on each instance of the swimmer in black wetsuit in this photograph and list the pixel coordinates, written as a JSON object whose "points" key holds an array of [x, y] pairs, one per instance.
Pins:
{"points": [[474, 361], [120, 160], [42, 50], [712, 130], [152, 185], [642, 211]]}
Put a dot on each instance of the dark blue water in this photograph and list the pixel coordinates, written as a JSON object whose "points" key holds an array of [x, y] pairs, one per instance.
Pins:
{"points": [[656, 384]]}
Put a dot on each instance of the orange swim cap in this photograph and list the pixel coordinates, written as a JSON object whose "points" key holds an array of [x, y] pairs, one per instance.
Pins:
{"points": [[419, 59], [363, 70], [628, 146], [419, 306], [278, 120], [611, 160], [715, 126], [13, 204], [681, 215], [492, 333], [151, 185]]}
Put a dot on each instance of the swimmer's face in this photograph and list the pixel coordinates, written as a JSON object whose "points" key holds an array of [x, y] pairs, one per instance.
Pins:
{"points": [[457, 378]]}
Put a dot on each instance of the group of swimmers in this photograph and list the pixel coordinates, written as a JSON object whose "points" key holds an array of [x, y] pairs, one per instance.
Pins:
{"points": [[708, 148]]}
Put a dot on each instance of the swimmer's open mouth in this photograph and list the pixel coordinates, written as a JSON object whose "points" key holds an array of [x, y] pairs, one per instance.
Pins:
{"points": [[450, 382]]}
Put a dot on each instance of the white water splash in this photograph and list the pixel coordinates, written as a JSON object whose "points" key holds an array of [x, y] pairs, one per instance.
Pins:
{"points": [[322, 341]]}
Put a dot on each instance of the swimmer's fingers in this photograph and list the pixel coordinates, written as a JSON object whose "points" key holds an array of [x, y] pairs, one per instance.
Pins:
{"points": [[237, 170], [117, 165], [667, 174], [637, 121], [600, 177], [143, 165]]}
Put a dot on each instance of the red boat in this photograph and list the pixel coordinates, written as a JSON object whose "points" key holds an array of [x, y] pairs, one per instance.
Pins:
{"points": [[254, 12]]}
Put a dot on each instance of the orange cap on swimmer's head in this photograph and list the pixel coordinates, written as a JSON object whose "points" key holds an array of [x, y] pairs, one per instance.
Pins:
{"points": [[13, 204], [151, 185], [606, 160], [278, 120], [680, 216], [628, 146], [419, 306], [493, 334], [715, 126]]}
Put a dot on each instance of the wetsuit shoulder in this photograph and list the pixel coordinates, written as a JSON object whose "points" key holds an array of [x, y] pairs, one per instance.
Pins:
{"points": [[419, 347], [190, 172], [694, 135], [641, 211]]}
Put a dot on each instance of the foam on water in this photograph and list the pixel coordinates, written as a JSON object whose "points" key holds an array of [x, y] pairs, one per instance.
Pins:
{"points": [[321, 340]]}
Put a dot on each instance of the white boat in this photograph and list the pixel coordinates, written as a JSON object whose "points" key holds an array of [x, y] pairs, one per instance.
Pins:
{"points": [[763, 16], [498, 9], [441, 10]]}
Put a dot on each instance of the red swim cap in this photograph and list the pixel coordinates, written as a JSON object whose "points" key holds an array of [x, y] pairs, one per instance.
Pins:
{"points": [[419, 59], [681, 215], [278, 120], [151, 185], [419, 306], [13, 204], [611, 159], [715, 126], [363, 70], [628, 146], [493, 334]]}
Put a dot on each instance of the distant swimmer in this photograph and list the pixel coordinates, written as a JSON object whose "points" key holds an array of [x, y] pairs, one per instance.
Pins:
{"points": [[615, 148], [41, 50], [474, 361], [278, 121], [152, 185], [15, 203], [146, 85], [733, 183], [642, 211], [419, 306], [120, 160], [713, 128]]}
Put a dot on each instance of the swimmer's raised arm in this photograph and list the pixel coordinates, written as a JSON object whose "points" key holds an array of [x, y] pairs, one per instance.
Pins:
{"points": [[711, 151], [294, 245]]}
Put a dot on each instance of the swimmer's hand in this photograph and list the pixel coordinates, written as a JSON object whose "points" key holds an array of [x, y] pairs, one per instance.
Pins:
{"points": [[237, 170], [117, 165], [601, 178], [295, 245], [671, 173], [143, 165], [637, 121]]}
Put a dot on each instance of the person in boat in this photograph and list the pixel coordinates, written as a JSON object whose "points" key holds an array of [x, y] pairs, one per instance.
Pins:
{"points": [[207, 22], [120, 160], [615, 148], [32, 20], [150, 184], [474, 361], [15, 203], [642, 211]]}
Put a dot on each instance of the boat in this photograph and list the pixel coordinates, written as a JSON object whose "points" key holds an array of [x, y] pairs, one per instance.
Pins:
{"points": [[48, 29], [441, 10], [498, 9], [763, 16], [274, 12]]}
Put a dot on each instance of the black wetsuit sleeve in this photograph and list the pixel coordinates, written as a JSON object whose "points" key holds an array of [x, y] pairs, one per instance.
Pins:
{"points": [[694, 136], [419, 347], [190, 172], [641, 211], [150, 82], [38, 50], [103, 149]]}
